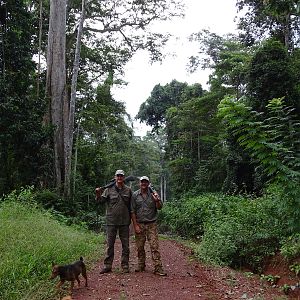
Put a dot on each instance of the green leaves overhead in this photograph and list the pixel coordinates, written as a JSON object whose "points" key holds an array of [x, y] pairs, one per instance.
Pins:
{"points": [[226, 56], [278, 19], [271, 75], [153, 111], [115, 30]]}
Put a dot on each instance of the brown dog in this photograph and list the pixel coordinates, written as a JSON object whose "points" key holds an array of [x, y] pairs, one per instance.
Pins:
{"points": [[69, 273]]}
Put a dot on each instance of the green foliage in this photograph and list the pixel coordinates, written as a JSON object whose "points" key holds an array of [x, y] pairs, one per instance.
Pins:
{"points": [[271, 76], [227, 56], [188, 217], [295, 268], [290, 247], [272, 279], [31, 239], [22, 135], [229, 230], [245, 235], [272, 139], [194, 154], [286, 288], [48, 199], [269, 18], [153, 111]]}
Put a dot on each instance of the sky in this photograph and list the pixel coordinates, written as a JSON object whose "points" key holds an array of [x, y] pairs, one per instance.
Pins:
{"points": [[215, 15]]}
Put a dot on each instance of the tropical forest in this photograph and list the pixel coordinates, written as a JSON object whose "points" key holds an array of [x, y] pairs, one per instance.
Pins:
{"points": [[225, 159]]}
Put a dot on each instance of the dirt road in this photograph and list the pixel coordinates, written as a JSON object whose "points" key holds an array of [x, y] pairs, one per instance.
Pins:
{"points": [[186, 280]]}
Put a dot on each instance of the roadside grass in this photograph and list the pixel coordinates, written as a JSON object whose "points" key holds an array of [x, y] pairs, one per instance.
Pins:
{"points": [[30, 240]]}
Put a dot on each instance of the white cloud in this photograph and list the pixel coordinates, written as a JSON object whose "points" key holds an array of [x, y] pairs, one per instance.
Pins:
{"points": [[217, 16]]}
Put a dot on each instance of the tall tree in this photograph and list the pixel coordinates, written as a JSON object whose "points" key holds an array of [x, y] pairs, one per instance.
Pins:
{"points": [[226, 56], [56, 84], [114, 36], [153, 110], [193, 152], [271, 75], [267, 18], [69, 128]]}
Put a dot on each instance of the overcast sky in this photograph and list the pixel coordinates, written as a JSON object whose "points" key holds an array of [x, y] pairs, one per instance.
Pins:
{"points": [[215, 15]]}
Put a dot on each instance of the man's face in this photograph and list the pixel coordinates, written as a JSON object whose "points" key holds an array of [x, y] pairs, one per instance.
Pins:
{"points": [[120, 178], [144, 184]]}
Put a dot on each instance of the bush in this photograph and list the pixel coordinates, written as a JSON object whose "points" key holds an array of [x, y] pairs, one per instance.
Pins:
{"points": [[290, 247], [188, 217], [244, 236], [230, 230]]}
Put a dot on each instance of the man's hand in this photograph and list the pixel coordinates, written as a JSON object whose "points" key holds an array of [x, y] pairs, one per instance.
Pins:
{"points": [[137, 229], [98, 192], [155, 197]]}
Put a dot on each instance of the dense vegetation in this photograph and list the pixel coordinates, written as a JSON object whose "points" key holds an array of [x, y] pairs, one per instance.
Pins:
{"points": [[31, 240], [226, 159]]}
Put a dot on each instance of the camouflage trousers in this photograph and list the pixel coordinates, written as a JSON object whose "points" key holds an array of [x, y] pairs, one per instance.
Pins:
{"points": [[149, 233]]}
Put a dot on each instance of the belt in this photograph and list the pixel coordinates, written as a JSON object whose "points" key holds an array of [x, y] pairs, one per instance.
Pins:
{"points": [[147, 222]]}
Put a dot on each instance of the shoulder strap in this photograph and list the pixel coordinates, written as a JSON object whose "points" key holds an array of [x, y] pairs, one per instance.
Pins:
{"points": [[118, 191]]}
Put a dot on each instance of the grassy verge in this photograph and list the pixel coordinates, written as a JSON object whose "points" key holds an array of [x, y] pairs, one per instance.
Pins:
{"points": [[30, 240]]}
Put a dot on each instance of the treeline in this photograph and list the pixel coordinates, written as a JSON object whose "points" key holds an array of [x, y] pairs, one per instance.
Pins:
{"points": [[36, 131], [240, 135], [232, 153], [236, 138]]}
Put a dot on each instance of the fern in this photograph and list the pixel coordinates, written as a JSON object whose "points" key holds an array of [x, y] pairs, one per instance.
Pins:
{"points": [[273, 140]]}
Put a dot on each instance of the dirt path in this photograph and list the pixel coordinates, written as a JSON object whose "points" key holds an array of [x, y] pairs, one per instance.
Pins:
{"points": [[186, 280]]}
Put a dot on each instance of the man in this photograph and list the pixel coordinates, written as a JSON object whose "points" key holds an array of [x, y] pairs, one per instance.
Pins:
{"points": [[117, 199], [144, 206]]}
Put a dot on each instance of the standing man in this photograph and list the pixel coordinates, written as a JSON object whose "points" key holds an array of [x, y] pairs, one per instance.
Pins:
{"points": [[117, 199], [144, 206]]}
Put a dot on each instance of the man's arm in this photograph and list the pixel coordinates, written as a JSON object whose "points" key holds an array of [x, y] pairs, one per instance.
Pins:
{"points": [[136, 225], [101, 194], [157, 200]]}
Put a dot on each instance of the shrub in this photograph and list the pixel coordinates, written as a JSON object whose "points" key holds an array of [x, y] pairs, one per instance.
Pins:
{"points": [[290, 247], [187, 217], [245, 236]]}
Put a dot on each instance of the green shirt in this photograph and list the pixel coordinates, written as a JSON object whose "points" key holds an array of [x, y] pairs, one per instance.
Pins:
{"points": [[144, 208], [117, 205]]}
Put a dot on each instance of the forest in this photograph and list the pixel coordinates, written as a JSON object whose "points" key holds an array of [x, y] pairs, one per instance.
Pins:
{"points": [[226, 160]]}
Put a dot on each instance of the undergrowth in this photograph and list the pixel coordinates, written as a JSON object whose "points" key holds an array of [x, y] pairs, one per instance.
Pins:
{"points": [[30, 240]]}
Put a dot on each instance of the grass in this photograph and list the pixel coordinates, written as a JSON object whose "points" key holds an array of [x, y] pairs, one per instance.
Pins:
{"points": [[30, 240]]}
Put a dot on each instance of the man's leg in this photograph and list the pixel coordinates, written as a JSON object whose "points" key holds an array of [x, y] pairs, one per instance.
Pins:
{"points": [[152, 237], [124, 237], [111, 233], [140, 239]]}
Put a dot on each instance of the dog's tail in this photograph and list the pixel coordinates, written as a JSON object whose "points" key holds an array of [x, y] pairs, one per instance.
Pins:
{"points": [[81, 258]]}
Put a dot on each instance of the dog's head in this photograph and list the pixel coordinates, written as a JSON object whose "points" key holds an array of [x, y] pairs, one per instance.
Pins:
{"points": [[55, 270]]}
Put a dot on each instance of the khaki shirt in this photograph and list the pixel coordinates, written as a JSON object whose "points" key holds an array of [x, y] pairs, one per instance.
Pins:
{"points": [[144, 208], [117, 207]]}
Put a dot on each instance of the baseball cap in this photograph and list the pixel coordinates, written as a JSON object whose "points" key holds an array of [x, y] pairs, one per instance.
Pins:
{"points": [[144, 178], [120, 172]]}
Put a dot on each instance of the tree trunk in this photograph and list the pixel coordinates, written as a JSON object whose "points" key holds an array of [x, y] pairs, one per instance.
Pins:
{"points": [[165, 188], [75, 162], [56, 81], [40, 49], [198, 147], [69, 121], [287, 31], [162, 188]]}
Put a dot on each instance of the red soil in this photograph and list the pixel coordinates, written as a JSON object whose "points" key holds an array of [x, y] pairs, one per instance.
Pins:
{"points": [[187, 280]]}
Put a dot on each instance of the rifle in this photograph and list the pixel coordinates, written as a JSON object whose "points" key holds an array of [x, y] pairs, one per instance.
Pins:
{"points": [[126, 180]]}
